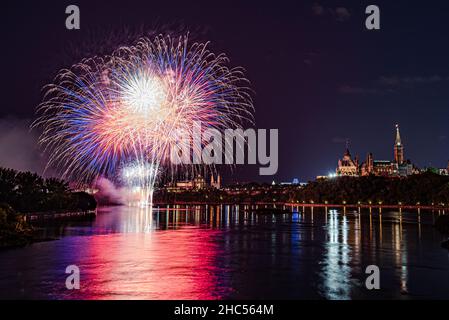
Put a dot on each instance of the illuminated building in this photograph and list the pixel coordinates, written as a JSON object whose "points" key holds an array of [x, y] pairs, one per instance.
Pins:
{"points": [[197, 183], [398, 148], [387, 168], [444, 171], [215, 184], [295, 181], [347, 166]]}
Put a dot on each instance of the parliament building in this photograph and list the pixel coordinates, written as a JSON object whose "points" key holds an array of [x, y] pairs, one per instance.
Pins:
{"points": [[347, 166]]}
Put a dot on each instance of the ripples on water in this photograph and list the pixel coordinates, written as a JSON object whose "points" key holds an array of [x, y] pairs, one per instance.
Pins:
{"points": [[219, 252]]}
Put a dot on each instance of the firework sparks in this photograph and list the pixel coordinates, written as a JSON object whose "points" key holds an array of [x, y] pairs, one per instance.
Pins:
{"points": [[126, 111], [139, 179]]}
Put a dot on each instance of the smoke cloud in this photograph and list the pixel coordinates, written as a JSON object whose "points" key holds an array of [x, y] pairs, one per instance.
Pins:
{"points": [[108, 193], [19, 148]]}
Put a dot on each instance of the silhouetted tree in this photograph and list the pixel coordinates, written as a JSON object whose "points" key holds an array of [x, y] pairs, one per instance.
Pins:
{"points": [[29, 192]]}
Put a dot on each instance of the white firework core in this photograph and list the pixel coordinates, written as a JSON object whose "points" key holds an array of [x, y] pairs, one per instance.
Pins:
{"points": [[144, 93]]}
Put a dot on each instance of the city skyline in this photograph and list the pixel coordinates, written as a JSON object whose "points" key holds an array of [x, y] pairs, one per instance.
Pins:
{"points": [[387, 153], [401, 165]]}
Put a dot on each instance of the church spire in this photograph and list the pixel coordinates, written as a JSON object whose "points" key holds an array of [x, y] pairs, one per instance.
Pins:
{"points": [[347, 153], [398, 136], [398, 148]]}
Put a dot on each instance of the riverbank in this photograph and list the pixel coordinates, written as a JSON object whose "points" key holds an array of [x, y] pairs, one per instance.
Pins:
{"points": [[17, 230], [441, 208], [14, 230], [61, 215], [14, 239]]}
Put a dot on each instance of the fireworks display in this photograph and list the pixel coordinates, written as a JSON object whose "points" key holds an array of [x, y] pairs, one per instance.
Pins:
{"points": [[119, 116], [139, 178]]}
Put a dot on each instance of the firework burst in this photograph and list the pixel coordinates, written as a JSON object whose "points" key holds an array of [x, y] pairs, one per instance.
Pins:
{"points": [[127, 110]]}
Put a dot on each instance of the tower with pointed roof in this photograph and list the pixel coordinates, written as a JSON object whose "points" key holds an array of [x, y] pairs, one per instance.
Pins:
{"points": [[218, 185], [398, 148], [215, 183], [347, 166]]}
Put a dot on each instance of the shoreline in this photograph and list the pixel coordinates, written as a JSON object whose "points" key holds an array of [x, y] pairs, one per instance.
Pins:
{"points": [[21, 239], [59, 215], [308, 205]]}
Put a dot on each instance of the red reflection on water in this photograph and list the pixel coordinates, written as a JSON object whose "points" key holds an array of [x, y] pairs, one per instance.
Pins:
{"points": [[174, 264]]}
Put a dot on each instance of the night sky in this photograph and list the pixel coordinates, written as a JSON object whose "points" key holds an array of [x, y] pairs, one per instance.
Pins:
{"points": [[318, 75]]}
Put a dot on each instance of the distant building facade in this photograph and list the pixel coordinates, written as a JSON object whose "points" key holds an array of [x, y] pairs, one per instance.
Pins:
{"points": [[347, 166], [215, 183], [387, 168], [440, 171], [445, 171], [197, 183]]}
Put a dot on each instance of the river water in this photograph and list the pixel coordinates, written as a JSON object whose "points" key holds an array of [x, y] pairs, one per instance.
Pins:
{"points": [[229, 252]]}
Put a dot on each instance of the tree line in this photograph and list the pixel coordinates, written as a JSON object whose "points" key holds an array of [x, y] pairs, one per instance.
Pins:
{"points": [[28, 192], [426, 189]]}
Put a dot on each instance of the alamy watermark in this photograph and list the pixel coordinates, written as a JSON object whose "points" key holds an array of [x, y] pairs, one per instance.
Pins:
{"points": [[372, 282], [72, 282], [72, 22], [233, 146], [372, 22]]}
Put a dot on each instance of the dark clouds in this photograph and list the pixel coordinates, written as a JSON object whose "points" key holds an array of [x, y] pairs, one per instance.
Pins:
{"points": [[390, 84], [338, 13]]}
